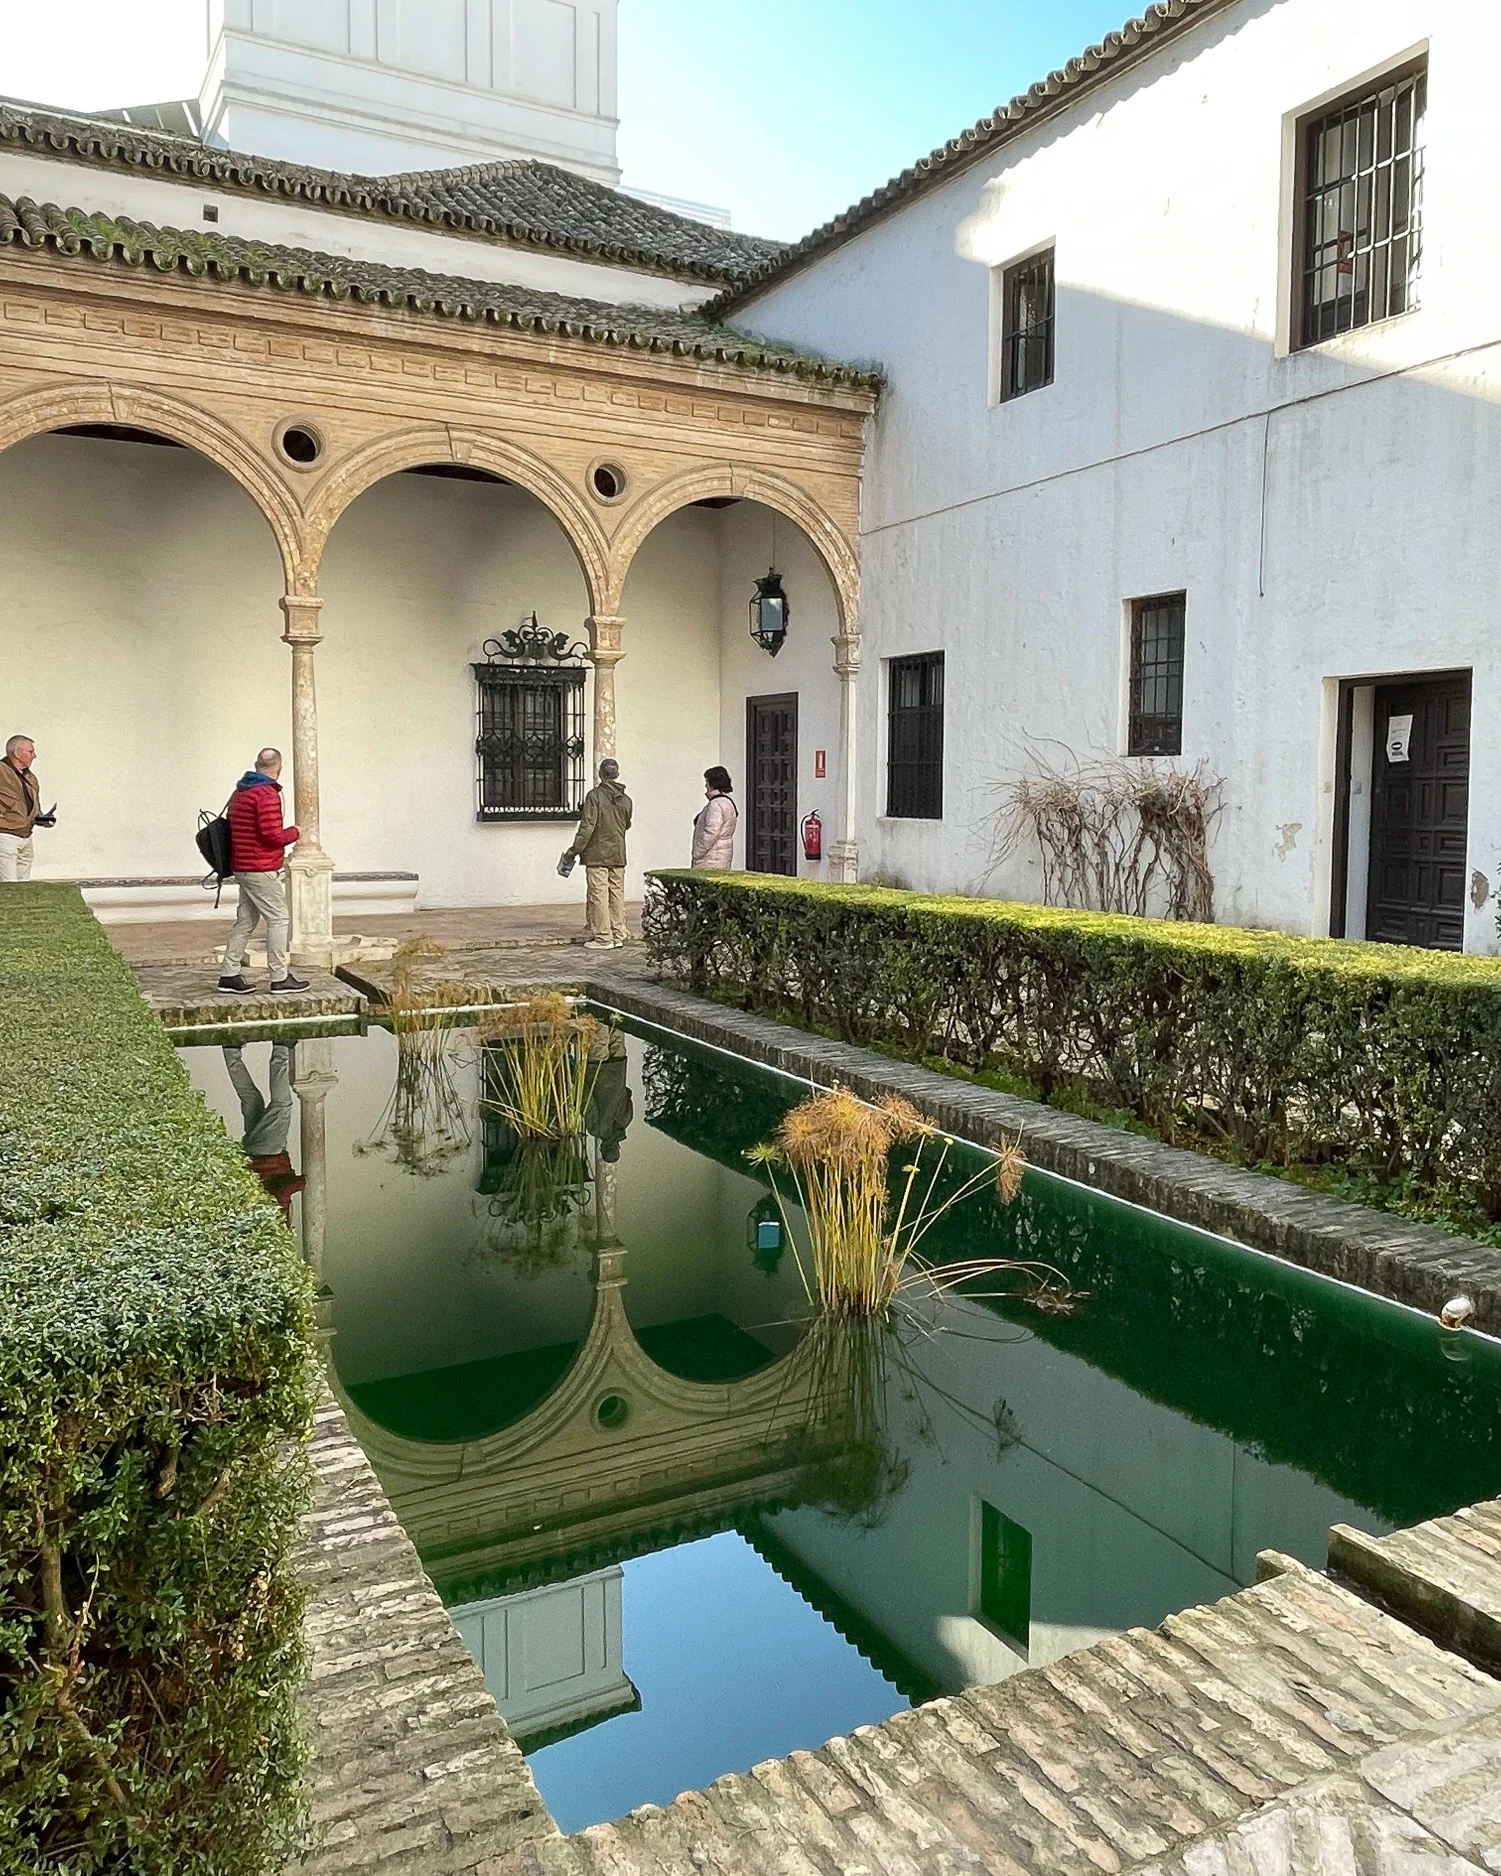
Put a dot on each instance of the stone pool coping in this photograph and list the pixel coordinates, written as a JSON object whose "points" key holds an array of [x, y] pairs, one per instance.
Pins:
{"points": [[1397, 1258]]}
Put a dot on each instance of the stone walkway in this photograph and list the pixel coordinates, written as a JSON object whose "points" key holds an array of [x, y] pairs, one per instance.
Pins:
{"points": [[188, 997], [414, 1772], [462, 928], [1290, 1728]]}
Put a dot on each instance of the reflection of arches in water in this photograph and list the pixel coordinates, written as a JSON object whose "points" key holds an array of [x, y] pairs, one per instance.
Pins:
{"points": [[561, 1475], [474, 1401]]}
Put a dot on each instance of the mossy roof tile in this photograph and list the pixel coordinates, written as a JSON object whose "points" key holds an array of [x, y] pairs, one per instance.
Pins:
{"points": [[531, 203], [72, 231]]}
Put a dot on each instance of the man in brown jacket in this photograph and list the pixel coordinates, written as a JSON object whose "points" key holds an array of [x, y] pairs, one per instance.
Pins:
{"points": [[600, 844], [20, 808]]}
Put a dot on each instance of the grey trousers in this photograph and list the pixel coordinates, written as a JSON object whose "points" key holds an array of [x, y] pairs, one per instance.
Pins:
{"points": [[263, 897]]}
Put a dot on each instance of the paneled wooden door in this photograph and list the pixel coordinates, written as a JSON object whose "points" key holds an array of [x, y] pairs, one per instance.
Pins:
{"points": [[771, 764], [1419, 809]]}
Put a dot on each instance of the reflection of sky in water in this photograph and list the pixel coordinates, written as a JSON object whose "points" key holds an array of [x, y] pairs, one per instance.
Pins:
{"points": [[732, 1667], [1036, 1481]]}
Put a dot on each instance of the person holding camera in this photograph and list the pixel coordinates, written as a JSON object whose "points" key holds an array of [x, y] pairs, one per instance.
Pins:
{"points": [[20, 808]]}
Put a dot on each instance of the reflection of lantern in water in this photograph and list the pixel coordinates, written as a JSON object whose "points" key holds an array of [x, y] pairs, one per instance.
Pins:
{"points": [[766, 1235]]}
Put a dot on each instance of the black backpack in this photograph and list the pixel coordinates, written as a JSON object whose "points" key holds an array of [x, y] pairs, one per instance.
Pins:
{"points": [[214, 844]]}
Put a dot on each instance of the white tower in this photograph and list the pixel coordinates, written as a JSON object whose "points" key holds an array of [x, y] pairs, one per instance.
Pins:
{"points": [[380, 86]]}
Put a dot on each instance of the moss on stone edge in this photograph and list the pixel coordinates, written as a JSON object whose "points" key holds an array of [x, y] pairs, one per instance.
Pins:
{"points": [[155, 1391]]}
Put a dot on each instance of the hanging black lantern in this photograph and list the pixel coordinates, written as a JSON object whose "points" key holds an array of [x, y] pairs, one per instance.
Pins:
{"points": [[769, 613]]}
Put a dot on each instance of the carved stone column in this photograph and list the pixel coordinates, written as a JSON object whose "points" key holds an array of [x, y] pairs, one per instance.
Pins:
{"points": [[313, 1078], [310, 871], [844, 852], [604, 655]]}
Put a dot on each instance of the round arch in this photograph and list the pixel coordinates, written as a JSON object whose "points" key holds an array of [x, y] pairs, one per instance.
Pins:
{"points": [[754, 485], [475, 449], [609, 1358], [60, 407]]}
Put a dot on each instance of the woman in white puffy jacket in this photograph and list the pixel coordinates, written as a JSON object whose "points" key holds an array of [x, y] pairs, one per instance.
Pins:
{"points": [[714, 826]]}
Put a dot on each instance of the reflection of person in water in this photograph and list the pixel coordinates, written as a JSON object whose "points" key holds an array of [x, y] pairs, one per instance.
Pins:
{"points": [[610, 1110], [268, 1121]]}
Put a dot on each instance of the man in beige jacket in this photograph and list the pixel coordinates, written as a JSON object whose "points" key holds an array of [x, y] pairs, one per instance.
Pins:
{"points": [[20, 808]]}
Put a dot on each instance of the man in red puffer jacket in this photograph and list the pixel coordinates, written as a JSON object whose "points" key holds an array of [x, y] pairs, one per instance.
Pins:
{"points": [[257, 852]]}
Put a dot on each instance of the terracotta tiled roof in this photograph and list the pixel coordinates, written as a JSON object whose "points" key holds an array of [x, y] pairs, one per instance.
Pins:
{"points": [[73, 231], [533, 204], [1136, 39]]}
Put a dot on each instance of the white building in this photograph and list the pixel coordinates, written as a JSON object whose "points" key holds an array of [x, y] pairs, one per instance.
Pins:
{"points": [[1278, 423], [1185, 456]]}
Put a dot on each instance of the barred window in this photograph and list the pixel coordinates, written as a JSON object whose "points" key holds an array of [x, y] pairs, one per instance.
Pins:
{"points": [[530, 742], [1155, 726], [1027, 326], [914, 743], [1361, 202]]}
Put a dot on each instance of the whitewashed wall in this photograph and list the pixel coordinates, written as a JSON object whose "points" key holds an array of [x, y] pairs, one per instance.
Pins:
{"points": [[1330, 512], [805, 664], [382, 85], [141, 643]]}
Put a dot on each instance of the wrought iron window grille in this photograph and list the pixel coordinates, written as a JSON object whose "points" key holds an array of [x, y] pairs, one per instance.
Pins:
{"points": [[1155, 726], [914, 738], [529, 732], [1360, 199], [1027, 326]]}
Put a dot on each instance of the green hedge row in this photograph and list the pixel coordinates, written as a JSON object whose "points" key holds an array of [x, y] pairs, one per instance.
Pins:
{"points": [[155, 1379], [1382, 1059]]}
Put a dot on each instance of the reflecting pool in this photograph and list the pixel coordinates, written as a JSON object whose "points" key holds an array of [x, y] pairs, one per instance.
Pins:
{"points": [[681, 1529]]}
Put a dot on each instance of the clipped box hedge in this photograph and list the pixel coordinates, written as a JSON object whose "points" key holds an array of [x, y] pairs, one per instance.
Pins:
{"points": [[155, 1379], [1382, 1059]]}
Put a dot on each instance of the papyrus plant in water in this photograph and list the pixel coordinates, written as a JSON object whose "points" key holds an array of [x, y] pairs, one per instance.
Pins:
{"points": [[863, 1227], [536, 1058], [425, 1122], [532, 1200]]}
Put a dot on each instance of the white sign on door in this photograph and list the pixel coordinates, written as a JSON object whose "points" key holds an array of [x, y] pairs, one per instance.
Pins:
{"points": [[1399, 739]]}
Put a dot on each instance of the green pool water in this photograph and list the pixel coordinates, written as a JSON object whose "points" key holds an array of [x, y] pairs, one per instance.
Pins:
{"points": [[681, 1531]]}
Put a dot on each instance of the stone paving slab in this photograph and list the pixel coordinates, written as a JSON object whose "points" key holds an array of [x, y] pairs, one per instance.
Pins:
{"points": [[414, 1772], [501, 975], [1373, 1250], [1443, 1576], [461, 928], [188, 997], [1232, 1741]]}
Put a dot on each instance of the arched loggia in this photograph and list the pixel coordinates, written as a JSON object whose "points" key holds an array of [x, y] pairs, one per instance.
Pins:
{"points": [[427, 549], [142, 550], [693, 688]]}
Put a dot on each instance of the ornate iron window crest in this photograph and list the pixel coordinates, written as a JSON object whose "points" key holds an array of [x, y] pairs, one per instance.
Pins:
{"points": [[529, 743], [532, 643]]}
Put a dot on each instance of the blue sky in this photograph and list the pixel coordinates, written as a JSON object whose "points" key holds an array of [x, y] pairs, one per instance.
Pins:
{"points": [[787, 111], [782, 111]]}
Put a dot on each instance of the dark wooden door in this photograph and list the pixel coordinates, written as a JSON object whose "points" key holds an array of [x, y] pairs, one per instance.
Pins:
{"points": [[1419, 808], [771, 763]]}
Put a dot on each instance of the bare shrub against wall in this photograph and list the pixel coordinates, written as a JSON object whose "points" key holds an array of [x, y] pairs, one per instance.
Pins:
{"points": [[1113, 835]]}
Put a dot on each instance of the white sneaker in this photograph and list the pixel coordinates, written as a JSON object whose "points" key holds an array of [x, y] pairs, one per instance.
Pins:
{"points": [[599, 944]]}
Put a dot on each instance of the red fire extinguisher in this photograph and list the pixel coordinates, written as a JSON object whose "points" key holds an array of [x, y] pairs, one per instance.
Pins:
{"points": [[813, 838]]}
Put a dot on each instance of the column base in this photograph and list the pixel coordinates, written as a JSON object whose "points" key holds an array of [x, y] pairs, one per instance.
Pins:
{"points": [[310, 878], [844, 862]]}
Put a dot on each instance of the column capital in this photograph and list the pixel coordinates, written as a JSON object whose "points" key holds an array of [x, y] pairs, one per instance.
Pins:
{"points": [[847, 654], [301, 611], [604, 632]]}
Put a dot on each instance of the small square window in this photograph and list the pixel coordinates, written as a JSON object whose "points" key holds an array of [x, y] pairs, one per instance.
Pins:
{"points": [[210, 213], [1360, 208], [1027, 326], [1002, 1571], [1155, 725], [914, 739]]}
